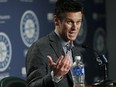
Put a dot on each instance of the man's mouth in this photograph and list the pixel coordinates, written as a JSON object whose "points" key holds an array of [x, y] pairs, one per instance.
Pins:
{"points": [[72, 33]]}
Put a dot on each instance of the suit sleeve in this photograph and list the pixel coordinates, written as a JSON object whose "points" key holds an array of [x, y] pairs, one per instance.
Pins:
{"points": [[38, 70]]}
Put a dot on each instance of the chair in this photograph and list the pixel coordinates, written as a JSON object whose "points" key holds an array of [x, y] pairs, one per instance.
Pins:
{"points": [[12, 82]]}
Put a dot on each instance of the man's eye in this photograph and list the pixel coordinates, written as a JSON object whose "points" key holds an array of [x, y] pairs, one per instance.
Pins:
{"points": [[69, 22], [78, 22]]}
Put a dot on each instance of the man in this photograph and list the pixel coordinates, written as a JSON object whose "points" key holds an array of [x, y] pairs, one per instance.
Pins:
{"points": [[47, 62]]}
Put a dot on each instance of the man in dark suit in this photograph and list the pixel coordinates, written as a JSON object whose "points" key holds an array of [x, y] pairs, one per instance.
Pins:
{"points": [[47, 62]]}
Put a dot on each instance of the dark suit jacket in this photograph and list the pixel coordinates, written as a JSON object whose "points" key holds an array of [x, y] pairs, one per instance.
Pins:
{"points": [[37, 66]]}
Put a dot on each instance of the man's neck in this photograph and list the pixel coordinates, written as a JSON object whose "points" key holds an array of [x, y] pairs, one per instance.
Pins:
{"points": [[63, 42]]}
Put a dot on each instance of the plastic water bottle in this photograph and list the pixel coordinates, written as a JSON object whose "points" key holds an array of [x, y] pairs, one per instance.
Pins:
{"points": [[78, 72]]}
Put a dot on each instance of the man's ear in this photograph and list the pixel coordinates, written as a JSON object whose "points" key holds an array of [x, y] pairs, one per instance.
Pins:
{"points": [[56, 20]]}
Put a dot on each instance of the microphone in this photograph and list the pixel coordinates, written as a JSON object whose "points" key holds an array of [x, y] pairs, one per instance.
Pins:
{"points": [[100, 58]]}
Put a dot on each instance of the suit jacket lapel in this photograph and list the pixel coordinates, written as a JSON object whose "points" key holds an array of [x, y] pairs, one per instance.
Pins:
{"points": [[55, 44]]}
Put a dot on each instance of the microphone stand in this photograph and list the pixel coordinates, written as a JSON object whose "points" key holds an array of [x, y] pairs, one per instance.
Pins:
{"points": [[105, 63], [106, 72]]}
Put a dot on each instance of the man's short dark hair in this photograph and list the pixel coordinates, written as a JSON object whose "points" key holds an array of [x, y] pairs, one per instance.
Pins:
{"points": [[63, 6]]}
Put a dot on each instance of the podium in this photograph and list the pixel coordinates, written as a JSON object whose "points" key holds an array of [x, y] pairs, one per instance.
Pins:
{"points": [[108, 83]]}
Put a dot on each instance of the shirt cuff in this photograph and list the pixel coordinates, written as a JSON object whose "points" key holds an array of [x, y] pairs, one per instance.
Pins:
{"points": [[54, 79]]}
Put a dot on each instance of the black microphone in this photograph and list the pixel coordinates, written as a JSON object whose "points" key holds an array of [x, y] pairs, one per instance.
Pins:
{"points": [[100, 58]]}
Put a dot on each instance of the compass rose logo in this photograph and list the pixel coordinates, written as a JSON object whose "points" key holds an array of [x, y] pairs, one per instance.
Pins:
{"points": [[5, 51], [29, 28]]}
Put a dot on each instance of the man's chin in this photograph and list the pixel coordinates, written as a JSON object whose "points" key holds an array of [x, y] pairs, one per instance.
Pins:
{"points": [[72, 38]]}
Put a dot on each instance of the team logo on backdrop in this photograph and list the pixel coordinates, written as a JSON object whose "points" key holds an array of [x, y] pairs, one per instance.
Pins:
{"points": [[5, 51], [29, 28], [82, 33], [99, 40]]}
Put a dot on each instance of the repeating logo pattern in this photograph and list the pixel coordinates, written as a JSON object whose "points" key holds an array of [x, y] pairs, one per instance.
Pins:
{"points": [[99, 40], [5, 51], [29, 28]]}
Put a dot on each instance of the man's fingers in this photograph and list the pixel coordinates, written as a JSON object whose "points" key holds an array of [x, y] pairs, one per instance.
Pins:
{"points": [[59, 60], [66, 62], [51, 62]]}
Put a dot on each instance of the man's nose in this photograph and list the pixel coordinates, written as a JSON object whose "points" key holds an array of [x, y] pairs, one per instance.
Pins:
{"points": [[74, 26]]}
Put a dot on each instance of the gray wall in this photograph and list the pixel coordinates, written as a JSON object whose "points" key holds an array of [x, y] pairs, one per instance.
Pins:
{"points": [[111, 36]]}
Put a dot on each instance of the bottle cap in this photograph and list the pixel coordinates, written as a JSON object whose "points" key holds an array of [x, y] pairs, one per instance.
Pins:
{"points": [[78, 58]]}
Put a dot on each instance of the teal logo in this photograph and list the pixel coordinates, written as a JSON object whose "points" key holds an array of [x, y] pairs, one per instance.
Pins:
{"points": [[5, 51], [29, 28], [99, 40]]}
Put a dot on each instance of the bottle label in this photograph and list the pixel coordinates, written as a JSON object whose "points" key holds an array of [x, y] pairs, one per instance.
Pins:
{"points": [[78, 71]]}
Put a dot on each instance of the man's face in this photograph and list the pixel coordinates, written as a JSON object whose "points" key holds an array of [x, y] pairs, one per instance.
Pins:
{"points": [[69, 27]]}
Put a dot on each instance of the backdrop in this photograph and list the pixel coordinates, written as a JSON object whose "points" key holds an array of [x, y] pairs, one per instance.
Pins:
{"points": [[24, 21]]}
